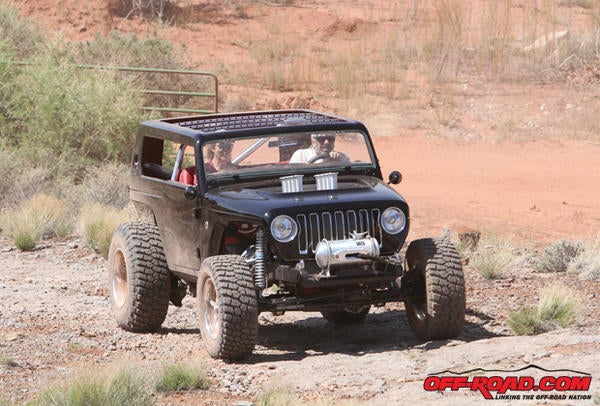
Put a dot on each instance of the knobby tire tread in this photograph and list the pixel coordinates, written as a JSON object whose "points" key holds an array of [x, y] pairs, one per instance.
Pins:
{"points": [[150, 277], [445, 289]]}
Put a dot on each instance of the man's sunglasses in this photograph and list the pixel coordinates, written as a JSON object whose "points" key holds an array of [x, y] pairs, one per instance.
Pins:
{"points": [[325, 138]]}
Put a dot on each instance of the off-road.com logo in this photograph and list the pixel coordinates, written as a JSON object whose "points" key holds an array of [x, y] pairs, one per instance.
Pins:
{"points": [[552, 385]]}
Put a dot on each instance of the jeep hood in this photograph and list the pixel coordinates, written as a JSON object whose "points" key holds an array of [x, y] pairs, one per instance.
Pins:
{"points": [[266, 201]]}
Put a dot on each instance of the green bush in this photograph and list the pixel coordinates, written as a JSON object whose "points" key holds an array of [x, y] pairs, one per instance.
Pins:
{"points": [[62, 118], [117, 49], [178, 377], [556, 257], [66, 117]]}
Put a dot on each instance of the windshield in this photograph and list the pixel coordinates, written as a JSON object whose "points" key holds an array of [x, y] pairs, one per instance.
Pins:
{"points": [[283, 153]]}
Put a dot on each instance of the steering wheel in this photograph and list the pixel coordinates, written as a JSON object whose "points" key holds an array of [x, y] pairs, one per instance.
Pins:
{"points": [[317, 157]]}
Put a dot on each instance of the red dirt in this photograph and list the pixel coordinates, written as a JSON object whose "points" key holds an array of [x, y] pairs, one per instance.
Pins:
{"points": [[533, 190]]}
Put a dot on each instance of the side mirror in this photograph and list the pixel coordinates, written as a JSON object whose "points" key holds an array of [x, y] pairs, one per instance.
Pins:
{"points": [[191, 192], [395, 177]]}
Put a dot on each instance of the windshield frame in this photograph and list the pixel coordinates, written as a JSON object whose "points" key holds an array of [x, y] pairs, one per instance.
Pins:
{"points": [[277, 169]]}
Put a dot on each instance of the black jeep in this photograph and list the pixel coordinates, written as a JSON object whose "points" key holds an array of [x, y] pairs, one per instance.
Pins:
{"points": [[272, 211]]}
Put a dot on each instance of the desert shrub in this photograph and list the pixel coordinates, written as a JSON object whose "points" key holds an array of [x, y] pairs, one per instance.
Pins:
{"points": [[66, 117], [22, 35], [122, 389], [525, 321], [40, 216], [587, 263], [492, 257], [121, 49], [557, 308], [106, 184], [98, 223], [9, 170], [117, 49], [24, 183], [179, 377], [152, 8], [556, 257]]}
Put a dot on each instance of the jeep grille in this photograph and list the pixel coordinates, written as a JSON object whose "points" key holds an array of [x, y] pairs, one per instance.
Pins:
{"points": [[336, 225]]}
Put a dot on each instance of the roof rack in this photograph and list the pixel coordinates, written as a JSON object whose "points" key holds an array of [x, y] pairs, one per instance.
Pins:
{"points": [[261, 119]]}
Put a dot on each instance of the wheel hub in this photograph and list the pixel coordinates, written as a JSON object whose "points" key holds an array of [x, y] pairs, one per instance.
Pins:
{"points": [[119, 279], [211, 309]]}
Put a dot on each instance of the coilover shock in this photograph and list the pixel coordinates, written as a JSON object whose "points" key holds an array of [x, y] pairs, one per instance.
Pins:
{"points": [[259, 266]]}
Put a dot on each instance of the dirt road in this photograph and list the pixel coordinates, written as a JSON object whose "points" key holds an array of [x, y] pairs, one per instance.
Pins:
{"points": [[56, 325]]}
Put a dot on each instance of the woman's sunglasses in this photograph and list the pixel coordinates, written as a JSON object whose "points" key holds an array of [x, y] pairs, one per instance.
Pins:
{"points": [[225, 146]]}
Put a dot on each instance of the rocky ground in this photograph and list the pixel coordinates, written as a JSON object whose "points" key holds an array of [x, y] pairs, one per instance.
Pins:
{"points": [[494, 156], [56, 324]]}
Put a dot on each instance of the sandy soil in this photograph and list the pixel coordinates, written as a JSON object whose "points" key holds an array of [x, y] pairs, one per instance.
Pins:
{"points": [[527, 182]]}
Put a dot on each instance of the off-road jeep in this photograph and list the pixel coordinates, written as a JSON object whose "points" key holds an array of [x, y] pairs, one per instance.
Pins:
{"points": [[272, 233]]}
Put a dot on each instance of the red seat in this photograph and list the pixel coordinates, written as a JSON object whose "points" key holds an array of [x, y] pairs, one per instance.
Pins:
{"points": [[188, 176]]}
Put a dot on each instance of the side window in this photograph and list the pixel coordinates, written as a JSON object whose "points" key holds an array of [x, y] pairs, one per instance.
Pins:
{"points": [[152, 159], [164, 159]]}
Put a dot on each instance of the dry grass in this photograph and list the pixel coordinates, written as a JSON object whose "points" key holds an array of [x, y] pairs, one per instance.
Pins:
{"points": [[38, 217], [558, 307], [179, 377], [587, 263], [122, 387], [98, 223], [282, 395], [493, 257]]}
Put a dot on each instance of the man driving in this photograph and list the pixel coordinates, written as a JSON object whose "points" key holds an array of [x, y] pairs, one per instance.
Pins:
{"points": [[320, 150]]}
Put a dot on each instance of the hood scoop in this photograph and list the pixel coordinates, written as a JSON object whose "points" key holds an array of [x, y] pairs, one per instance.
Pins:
{"points": [[327, 181], [291, 184], [324, 181]]}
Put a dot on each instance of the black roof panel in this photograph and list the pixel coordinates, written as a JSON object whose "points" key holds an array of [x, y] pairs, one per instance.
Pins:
{"points": [[254, 120]]}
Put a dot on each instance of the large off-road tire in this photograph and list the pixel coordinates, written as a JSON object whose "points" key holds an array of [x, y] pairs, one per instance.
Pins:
{"points": [[437, 308], [227, 306], [346, 316], [138, 276]]}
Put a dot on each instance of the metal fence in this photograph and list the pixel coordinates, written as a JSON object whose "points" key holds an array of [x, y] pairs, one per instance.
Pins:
{"points": [[176, 101]]}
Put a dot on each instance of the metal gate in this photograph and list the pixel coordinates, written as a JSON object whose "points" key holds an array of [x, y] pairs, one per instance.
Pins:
{"points": [[196, 101]]}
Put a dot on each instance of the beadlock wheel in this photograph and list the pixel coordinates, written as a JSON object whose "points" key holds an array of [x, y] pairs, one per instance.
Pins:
{"points": [[227, 307], [437, 308], [138, 276]]}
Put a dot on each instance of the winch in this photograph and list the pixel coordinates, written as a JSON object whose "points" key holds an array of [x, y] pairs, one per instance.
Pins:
{"points": [[348, 251]]}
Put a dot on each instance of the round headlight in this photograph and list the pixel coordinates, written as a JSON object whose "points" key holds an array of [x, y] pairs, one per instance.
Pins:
{"points": [[284, 228], [393, 220]]}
